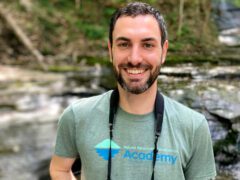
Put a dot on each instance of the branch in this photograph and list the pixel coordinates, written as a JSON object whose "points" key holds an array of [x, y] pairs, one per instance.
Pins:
{"points": [[21, 35]]}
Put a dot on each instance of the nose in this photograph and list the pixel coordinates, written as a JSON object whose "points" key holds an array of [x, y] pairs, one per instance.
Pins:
{"points": [[135, 56]]}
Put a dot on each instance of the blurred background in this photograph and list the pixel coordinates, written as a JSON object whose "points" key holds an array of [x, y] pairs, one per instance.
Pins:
{"points": [[53, 52]]}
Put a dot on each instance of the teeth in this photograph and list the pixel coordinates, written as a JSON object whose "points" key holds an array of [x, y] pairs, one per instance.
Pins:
{"points": [[135, 71]]}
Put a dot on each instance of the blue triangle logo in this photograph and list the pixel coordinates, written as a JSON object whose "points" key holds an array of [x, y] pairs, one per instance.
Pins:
{"points": [[102, 149]]}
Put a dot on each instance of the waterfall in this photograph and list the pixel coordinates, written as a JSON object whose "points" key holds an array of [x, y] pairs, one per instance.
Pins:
{"points": [[227, 16]]}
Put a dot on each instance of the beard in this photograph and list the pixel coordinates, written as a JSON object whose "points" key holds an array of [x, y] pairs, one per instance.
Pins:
{"points": [[139, 88]]}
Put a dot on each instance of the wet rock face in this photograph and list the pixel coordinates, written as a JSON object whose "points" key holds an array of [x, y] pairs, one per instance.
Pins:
{"points": [[29, 111], [23, 149], [30, 107], [224, 105], [215, 93]]}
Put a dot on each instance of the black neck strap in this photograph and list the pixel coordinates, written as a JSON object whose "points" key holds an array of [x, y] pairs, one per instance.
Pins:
{"points": [[158, 113]]}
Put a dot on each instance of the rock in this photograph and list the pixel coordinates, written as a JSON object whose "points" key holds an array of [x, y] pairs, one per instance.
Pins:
{"points": [[224, 104], [224, 72], [217, 129], [34, 101], [51, 110], [42, 170], [220, 72], [227, 150], [236, 127], [229, 172], [14, 74], [184, 71]]}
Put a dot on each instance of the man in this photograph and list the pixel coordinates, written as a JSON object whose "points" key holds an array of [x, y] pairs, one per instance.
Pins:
{"points": [[133, 149]]}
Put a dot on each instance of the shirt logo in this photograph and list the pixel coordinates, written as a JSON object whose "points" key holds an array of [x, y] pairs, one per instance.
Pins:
{"points": [[102, 149], [148, 156], [133, 153]]}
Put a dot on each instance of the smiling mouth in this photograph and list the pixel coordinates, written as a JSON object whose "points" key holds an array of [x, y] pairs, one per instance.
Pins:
{"points": [[135, 71]]}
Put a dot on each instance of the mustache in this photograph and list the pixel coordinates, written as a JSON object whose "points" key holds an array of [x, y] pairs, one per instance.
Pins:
{"points": [[130, 65]]}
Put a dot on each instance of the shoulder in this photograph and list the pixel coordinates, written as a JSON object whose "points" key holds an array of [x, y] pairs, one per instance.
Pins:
{"points": [[92, 102], [182, 115], [87, 106], [92, 99]]}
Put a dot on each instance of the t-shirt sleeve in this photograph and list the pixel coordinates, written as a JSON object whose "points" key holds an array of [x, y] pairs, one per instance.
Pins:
{"points": [[201, 165], [65, 141]]}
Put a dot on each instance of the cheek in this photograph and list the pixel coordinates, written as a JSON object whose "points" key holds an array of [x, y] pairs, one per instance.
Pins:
{"points": [[153, 58], [119, 58], [116, 62]]}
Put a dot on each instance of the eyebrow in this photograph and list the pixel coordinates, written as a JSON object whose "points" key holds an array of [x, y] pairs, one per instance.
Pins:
{"points": [[148, 39], [122, 39], [143, 40]]}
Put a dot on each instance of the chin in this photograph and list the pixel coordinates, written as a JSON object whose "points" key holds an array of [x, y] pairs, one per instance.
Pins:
{"points": [[136, 90]]}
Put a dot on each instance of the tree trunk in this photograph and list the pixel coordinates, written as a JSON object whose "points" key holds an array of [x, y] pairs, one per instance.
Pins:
{"points": [[77, 4], [207, 13], [21, 35], [180, 20]]}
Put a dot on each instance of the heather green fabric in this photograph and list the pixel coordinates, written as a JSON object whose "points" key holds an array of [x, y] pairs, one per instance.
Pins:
{"points": [[185, 148]]}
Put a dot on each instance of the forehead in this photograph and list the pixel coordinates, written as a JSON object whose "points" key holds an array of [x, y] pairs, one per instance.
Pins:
{"points": [[139, 26]]}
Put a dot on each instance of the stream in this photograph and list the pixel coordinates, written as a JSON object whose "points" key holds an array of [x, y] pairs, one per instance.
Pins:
{"points": [[31, 102]]}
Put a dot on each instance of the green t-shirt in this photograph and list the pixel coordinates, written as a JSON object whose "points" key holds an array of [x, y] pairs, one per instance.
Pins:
{"points": [[185, 147]]}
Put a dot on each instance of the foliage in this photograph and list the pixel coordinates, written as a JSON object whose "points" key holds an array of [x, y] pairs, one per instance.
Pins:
{"points": [[61, 27], [91, 31], [237, 3]]}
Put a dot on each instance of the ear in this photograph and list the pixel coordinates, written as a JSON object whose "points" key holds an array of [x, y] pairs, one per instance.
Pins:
{"points": [[110, 50], [164, 51]]}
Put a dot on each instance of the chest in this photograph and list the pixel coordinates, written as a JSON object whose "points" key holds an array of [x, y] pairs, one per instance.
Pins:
{"points": [[132, 146]]}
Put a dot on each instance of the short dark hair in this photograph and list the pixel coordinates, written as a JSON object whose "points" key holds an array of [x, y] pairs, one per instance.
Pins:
{"points": [[138, 8]]}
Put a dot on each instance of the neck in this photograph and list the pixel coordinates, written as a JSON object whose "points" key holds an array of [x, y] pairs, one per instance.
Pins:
{"points": [[138, 103]]}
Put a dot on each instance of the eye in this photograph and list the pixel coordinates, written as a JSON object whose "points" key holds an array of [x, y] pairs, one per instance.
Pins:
{"points": [[148, 45], [123, 44]]}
